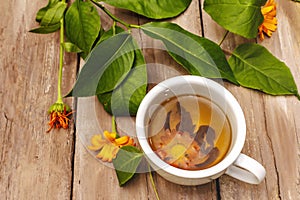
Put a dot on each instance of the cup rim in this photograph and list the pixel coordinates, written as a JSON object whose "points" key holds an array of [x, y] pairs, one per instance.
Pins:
{"points": [[192, 174]]}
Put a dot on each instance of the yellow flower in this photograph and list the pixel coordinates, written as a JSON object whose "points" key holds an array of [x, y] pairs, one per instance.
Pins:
{"points": [[269, 24], [109, 145]]}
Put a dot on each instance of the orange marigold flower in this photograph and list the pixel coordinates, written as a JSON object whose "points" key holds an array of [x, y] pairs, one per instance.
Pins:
{"points": [[269, 24], [109, 145], [60, 114]]}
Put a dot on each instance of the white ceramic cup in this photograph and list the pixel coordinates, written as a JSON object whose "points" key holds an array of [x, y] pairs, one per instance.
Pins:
{"points": [[235, 164]]}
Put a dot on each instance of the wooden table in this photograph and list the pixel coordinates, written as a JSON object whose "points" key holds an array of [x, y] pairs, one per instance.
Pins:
{"points": [[57, 165]]}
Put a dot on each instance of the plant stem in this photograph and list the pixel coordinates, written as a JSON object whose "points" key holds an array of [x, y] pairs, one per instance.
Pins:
{"points": [[114, 28], [113, 17], [153, 184], [113, 124], [61, 61], [223, 38]]}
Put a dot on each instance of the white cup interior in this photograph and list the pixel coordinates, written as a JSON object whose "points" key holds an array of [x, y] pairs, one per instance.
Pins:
{"points": [[192, 85]]}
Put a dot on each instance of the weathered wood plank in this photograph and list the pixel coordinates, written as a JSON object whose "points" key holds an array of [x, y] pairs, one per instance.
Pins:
{"points": [[272, 122], [33, 164], [282, 114], [36, 165], [160, 67], [94, 180]]}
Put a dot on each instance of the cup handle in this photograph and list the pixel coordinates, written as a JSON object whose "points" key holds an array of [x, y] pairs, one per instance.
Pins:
{"points": [[246, 169]]}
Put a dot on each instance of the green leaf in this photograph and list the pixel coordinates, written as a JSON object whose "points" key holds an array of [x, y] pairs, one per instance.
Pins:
{"points": [[70, 47], [126, 163], [54, 14], [237, 16], [125, 99], [152, 8], [49, 17], [198, 55], [106, 67], [82, 24], [46, 29], [255, 67], [40, 14]]}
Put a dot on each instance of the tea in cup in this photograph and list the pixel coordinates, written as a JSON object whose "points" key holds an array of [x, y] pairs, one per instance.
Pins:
{"points": [[192, 130]]}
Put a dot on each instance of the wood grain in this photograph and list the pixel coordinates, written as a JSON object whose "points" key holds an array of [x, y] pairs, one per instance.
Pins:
{"points": [[93, 179], [282, 113], [36, 165], [272, 138], [33, 164], [160, 66]]}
